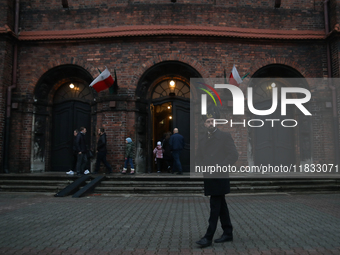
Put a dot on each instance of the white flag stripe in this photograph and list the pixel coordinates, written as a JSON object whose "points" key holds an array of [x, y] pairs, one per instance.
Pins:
{"points": [[105, 74], [236, 76]]}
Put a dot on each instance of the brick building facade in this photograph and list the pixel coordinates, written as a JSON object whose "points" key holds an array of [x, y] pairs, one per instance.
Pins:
{"points": [[149, 42]]}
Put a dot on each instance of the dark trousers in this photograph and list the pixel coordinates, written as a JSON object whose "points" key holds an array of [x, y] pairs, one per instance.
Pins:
{"points": [[168, 164], [101, 157], [74, 162], [81, 163], [177, 163], [159, 164], [218, 209], [128, 160]]}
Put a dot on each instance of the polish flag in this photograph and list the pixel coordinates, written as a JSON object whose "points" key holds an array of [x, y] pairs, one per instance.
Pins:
{"points": [[234, 77], [103, 81]]}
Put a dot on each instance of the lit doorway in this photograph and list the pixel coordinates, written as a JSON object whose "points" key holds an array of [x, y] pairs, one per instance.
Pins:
{"points": [[154, 89], [170, 109], [162, 121]]}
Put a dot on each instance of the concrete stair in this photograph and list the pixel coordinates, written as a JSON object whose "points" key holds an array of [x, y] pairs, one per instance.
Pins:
{"points": [[159, 184]]}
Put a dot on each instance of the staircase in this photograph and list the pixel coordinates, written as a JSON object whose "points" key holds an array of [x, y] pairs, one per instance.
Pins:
{"points": [[159, 184]]}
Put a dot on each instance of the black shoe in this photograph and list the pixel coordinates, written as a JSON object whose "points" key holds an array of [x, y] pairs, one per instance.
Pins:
{"points": [[224, 238], [204, 242], [179, 173]]}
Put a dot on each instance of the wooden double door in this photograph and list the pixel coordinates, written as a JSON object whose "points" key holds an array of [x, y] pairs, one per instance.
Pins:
{"points": [[67, 117]]}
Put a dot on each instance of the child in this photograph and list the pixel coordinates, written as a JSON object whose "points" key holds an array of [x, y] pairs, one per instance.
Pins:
{"points": [[158, 152], [128, 155]]}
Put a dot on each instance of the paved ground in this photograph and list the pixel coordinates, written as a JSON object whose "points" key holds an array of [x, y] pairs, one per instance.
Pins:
{"points": [[263, 224]]}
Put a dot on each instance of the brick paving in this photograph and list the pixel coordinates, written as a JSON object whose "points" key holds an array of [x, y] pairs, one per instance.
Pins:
{"points": [[263, 224]]}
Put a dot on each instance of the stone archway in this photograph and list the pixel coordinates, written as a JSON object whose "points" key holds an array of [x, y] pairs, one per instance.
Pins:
{"points": [[278, 145], [44, 93], [149, 79]]}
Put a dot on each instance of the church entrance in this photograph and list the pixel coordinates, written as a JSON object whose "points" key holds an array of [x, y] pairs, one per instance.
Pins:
{"points": [[70, 112], [171, 109], [164, 104], [62, 102]]}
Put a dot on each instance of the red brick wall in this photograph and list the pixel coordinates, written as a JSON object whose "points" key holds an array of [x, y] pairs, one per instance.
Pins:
{"points": [[129, 57], [118, 125], [46, 15], [7, 13], [132, 56]]}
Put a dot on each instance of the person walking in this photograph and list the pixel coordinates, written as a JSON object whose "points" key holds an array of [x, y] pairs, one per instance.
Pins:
{"points": [[82, 151], [102, 151], [129, 154], [158, 152], [216, 147], [167, 157], [176, 145], [74, 153]]}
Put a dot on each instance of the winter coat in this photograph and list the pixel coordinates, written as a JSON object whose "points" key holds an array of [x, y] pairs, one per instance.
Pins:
{"points": [[81, 143], [101, 145], [218, 149], [176, 142], [158, 151], [129, 150], [167, 151]]}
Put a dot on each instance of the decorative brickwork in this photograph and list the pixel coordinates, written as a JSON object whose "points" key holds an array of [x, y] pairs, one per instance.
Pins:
{"points": [[135, 36]]}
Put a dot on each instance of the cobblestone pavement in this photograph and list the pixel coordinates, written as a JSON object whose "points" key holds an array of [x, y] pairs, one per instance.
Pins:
{"points": [[263, 224]]}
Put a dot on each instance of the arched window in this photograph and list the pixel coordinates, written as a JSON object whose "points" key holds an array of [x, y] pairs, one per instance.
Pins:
{"points": [[171, 88], [73, 90]]}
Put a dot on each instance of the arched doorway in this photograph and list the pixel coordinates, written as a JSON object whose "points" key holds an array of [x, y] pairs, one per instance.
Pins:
{"points": [[71, 110], [157, 102], [58, 110], [278, 145], [170, 109]]}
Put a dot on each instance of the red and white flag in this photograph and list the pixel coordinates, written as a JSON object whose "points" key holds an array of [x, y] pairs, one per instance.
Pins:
{"points": [[103, 81], [234, 77]]}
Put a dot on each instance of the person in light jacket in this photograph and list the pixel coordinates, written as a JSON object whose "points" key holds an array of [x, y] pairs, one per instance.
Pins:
{"points": [[158, 152]]}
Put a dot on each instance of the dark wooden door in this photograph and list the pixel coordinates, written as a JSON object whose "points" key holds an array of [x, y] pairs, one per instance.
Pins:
{"points": [[274, 145], [67, 117], [181, 120]]}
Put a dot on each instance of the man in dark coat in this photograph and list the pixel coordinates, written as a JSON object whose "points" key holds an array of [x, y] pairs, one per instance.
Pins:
{"points": [[75, 153], [176, 145], [81, 150], [216, 148], [101, 151]]}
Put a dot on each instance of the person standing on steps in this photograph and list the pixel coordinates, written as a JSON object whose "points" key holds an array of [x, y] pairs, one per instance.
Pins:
{"points": [[158, 152], [102, 151], [167, 157], [82, 151], [176, 145], [129, 155], [75, 153]]}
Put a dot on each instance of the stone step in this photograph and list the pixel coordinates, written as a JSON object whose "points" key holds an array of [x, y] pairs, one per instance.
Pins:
{"points": [[153, 184]]}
